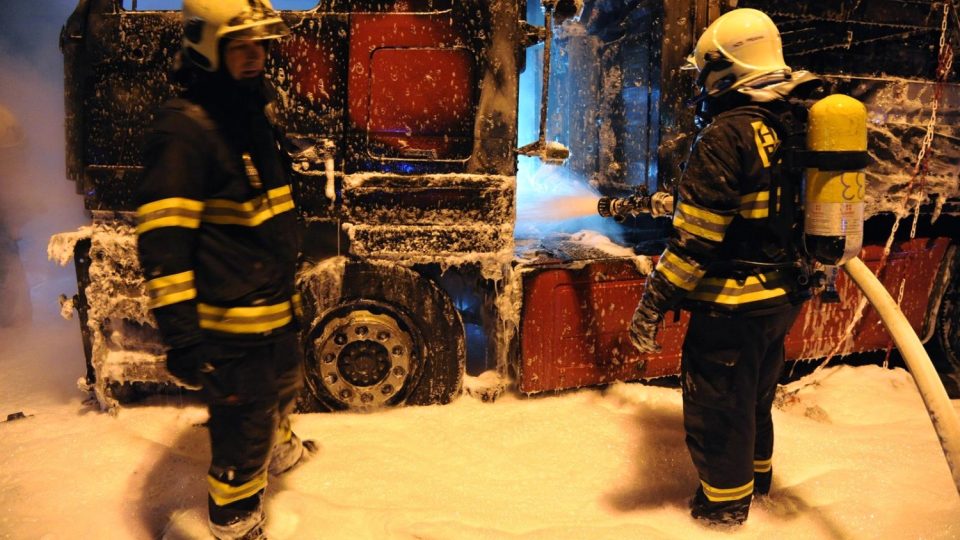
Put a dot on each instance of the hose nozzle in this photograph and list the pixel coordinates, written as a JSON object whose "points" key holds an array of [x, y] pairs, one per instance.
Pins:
{"points": [[639, 202]]}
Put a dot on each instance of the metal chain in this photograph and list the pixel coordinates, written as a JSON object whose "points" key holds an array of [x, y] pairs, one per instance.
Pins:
{"points": [[944, 64]]}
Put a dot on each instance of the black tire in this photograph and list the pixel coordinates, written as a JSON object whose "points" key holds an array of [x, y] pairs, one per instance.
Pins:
{"points": [[377, 336], [946, 337], [944, 347]]}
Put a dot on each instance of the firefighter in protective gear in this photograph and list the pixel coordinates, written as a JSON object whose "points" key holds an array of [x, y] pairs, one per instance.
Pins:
{"points": [[731, 259], [218, 241]]}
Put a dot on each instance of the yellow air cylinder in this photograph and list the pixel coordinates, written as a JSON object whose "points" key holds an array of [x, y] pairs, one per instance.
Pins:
{"points": [[835, 182]]}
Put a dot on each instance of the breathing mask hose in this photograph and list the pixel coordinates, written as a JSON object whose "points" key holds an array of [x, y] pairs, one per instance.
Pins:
{"points": [[938, 404]]}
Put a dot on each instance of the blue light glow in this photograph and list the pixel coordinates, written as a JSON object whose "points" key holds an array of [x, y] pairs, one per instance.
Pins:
{"points": [[550, 198]]}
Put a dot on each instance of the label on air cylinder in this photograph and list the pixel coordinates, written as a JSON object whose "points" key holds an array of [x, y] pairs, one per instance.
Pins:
{"points": [[833, 204], [834, 219]]}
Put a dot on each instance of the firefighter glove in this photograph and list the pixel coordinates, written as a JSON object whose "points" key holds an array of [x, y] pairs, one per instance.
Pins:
{"points": [[643, 330], [184, 364]]}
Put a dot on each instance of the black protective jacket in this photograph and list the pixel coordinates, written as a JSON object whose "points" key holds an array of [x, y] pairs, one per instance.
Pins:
{"points": [[217, 229], [732, 250]]}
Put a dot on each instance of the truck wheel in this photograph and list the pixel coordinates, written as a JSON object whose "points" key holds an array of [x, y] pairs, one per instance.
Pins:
{"points": [[947, 352], [378, 336]]}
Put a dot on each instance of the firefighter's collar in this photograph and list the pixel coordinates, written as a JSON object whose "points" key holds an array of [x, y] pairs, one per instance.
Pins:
{"points": [[765, 91]]}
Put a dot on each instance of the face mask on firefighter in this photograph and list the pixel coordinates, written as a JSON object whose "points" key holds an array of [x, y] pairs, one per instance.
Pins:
{"points": [[715, 62]]}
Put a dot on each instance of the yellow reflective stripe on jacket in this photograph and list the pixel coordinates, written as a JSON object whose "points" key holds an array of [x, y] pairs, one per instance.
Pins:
{"points": [[755, 205], [249, 213], [166, 290], [734, 292], [762, 465], [172, 212], [715, 494], [681, 273], [245, 320], [281, 199], [224, 494], [700, 222]]}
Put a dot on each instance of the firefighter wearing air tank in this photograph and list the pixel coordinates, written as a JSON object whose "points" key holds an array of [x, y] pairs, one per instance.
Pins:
{"points": [[218, 240], [734, 260]]}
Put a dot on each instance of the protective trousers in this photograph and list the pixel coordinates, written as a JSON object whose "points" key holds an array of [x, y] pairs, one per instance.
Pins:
{"points": [[730, 368], [250, 393]]}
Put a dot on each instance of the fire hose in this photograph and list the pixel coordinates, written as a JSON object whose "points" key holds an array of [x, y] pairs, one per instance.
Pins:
{"points": [[939, 407]]}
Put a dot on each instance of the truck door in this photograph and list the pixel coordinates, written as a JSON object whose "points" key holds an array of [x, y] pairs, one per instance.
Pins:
{"points": [[116, 64]]}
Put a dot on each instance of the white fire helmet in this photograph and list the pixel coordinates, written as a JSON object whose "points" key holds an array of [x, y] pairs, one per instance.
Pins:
{"points": [[740, 47], [207, 22]]}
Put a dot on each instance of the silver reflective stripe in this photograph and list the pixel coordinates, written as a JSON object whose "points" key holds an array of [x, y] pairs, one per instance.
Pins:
{"points": [[700, 222], [682, 273]]}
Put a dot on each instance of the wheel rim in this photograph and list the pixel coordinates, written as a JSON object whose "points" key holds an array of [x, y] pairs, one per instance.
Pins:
{"points": [[364, 359]]}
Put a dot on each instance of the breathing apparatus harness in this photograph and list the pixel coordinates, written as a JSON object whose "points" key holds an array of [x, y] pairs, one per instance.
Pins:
{"points": [[783, 250], [815, 211]]}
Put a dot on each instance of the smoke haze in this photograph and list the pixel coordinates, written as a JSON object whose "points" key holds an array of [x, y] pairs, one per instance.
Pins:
{"points": [[36, 200]]}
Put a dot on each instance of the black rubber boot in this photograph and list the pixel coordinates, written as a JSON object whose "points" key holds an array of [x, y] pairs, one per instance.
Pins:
{"points": [[719, 513], [761, 482], [240, 520]]}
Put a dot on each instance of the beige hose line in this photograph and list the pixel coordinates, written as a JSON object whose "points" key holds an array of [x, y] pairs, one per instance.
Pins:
{"points": [[939, 407]]}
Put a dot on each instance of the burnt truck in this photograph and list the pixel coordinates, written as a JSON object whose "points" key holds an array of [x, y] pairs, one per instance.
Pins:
{"points": [[402, 120]]}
